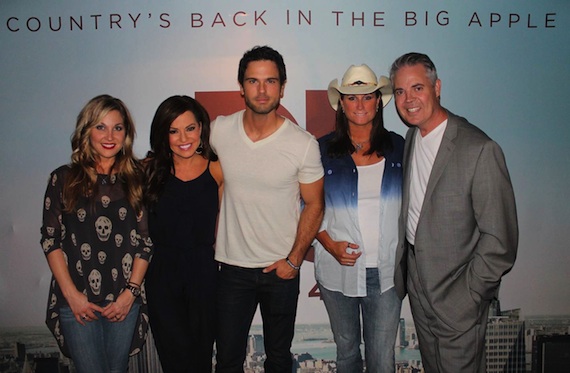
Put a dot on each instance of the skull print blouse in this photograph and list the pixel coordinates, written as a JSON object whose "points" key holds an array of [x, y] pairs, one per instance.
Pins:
{"points": [[100, 240]]}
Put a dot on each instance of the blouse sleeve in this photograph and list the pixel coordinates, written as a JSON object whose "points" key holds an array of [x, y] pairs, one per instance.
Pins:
{"points": [[52, 228], [145, 248]]}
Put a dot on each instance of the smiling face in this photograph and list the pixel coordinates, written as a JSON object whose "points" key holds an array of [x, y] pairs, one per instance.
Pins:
{"points": [[360, 110], [262, 89], [417, 98], [184, 135], [108, 137]]}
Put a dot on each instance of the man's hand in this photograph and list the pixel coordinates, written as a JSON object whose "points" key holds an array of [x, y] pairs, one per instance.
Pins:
{"points": [[283, 270]]}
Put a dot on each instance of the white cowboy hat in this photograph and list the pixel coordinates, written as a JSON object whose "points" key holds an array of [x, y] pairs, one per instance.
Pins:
{"points": [[358, 80]]}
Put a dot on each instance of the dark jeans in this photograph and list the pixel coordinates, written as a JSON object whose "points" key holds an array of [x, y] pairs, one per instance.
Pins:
{"points": [[240, 290]]}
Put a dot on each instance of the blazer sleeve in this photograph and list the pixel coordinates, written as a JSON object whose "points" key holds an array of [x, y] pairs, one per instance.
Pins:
{"points": [[495, 214]]}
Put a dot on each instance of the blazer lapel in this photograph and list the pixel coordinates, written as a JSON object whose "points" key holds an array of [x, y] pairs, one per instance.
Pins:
{"points": [[408, 150], [443, 154]]}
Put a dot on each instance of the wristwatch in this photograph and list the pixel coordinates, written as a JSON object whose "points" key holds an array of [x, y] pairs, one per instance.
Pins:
{"points": [[133, 289]]}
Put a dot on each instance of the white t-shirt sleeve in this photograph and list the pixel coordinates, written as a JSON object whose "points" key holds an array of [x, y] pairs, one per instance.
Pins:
{"points": [[312, 169]]}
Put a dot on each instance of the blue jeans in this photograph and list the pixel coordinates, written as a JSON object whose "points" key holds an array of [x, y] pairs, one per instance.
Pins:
{"points": [[380, 319], [240, 290], [100, 346]]}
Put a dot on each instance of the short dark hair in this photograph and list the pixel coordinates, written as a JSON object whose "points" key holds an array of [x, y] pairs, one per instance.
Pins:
{"points": [[262, 53], [411, 59]]}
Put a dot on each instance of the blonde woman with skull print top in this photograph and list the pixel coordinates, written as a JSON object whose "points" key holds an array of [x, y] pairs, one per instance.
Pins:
{"points": [[95, 238]]}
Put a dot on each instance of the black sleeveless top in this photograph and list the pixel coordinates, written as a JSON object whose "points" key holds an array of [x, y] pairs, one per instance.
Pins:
{"points": [[182, 226]]}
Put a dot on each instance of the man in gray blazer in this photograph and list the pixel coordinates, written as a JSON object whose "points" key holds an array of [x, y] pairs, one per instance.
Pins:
{"points": [[458, 226]]}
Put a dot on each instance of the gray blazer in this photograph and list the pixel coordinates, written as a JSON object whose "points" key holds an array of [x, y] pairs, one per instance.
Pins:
{"points": [[467, 233]]}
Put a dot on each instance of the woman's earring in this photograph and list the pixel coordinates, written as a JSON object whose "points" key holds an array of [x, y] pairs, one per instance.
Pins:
{"points": [[200, 148]]}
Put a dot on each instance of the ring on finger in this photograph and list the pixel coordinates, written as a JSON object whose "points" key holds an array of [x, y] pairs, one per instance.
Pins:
{"points": [[84, 317]]}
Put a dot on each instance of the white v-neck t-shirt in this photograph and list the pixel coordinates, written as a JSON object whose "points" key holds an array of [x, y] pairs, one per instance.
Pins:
{"points": [[421, 163], [261, 204]]}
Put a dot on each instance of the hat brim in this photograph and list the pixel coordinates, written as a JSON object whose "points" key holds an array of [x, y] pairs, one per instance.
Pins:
{"points": [[335, 90]]}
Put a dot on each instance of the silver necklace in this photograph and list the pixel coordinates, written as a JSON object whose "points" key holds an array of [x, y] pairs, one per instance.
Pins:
{"points": [[359, 145]]}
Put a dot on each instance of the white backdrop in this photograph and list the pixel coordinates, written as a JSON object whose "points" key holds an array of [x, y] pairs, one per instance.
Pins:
{"points": [[503, 65]]}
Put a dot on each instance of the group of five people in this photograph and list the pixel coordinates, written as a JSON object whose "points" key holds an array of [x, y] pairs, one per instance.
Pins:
{"points": [[233, 206]]}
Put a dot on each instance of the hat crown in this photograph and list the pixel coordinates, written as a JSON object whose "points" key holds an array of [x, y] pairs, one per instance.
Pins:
{"points": [[360, 75], [359, 80]]}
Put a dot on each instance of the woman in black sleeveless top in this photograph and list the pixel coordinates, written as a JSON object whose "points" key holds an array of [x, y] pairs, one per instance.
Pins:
{"points": [[183, 188]]}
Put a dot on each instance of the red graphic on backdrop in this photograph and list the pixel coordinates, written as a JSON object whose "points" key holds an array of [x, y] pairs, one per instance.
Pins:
{"points": [[319, 119]]}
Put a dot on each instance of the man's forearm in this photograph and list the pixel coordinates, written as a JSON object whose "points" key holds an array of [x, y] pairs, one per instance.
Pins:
{"points": [[309, 223]]}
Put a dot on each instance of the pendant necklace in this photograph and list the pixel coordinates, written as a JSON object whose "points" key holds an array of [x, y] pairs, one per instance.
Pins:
{"points": [[359, 145]]}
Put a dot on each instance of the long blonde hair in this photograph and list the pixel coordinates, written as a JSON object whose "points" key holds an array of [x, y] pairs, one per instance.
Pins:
{"points": [[82, 179]]}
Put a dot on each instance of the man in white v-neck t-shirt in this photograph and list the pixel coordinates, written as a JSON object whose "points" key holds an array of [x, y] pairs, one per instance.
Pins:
{"points": [[269, 166]]}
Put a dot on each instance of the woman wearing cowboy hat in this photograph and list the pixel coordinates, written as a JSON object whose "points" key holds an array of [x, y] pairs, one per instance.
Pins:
{"points": [[356, 245]]}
